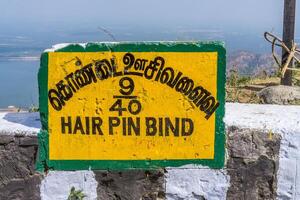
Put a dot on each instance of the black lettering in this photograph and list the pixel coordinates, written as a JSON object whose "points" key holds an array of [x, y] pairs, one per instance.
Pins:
{"points": [[115, 73], [113, 122], [64, 90], [185, 85], [160, 126], [211, 110], [187, 127], [65, 124], [127, 86], [169, 126], [137, 64], [124, 126], [89, 74], [87, 125], [135, 127], [151, 126], [167, 75], [152, 68], [96, 125], [196, 94], [144, 61], [71, 82], [161, 64], [55, 99], [106, 68], [134, 104], [78, 126], [128, 60], [204, 102], [79, 78], [173, 83], [202, 97], [103, 69]]}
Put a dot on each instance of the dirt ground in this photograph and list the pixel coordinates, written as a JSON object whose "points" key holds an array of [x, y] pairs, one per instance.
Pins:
{"points": [[246, 92]]}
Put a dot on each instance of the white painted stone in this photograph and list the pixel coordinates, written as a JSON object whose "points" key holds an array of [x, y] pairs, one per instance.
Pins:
{"points": [[277, 118], [288, 186], [19, 123], [57, 184], [63, 45], [191, 182], [283, 120]]}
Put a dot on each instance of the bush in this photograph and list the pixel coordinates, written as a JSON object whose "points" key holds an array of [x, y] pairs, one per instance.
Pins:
{"points": [[76, 194]]}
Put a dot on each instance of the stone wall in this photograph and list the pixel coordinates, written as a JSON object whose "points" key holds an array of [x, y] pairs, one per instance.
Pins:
{"points": [[18, 179], [261, 163], [252, 163]]}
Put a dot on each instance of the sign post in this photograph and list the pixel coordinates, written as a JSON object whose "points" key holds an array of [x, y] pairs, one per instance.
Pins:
{"points": [[132, 105], [288, 37]]}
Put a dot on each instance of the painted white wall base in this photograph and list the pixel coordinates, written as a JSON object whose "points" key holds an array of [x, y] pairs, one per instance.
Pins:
{"points": [[57, 184], [189, 182]]}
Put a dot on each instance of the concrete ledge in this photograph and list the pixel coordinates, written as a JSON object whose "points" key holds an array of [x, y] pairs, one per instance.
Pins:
{"points": [[22, 123], [278, 118]]}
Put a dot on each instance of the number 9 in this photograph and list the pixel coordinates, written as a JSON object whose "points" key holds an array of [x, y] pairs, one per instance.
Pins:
{"points": [[127, 86]]}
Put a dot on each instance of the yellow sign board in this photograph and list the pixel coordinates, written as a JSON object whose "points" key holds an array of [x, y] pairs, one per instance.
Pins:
{"points": [[135, 107]]}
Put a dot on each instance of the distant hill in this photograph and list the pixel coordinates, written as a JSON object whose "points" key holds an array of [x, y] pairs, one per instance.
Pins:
{"points": [[251, 64]]}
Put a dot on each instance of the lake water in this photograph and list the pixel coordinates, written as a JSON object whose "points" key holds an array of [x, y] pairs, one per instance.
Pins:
{"points": [[18, 83]]}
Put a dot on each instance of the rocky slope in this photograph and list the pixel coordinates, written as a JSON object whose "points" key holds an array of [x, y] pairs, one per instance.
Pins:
{"points": [[249, 63]]}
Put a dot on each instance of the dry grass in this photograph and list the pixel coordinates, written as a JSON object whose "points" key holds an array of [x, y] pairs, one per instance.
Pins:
{"points": [[268, 81], [241, 95], [245, 91]]}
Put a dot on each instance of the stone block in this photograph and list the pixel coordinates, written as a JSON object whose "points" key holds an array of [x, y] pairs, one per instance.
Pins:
{"points": [[131, 185], [28, 141]]}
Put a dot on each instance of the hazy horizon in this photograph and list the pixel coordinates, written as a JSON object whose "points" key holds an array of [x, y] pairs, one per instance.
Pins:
{"points": [[34, 15], [41, 24]]}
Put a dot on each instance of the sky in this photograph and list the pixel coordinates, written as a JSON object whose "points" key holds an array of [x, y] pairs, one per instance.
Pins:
{"points": [[42, 15]]}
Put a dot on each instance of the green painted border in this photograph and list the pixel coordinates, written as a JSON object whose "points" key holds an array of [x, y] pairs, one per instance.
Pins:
{"points": [[44, 163]]}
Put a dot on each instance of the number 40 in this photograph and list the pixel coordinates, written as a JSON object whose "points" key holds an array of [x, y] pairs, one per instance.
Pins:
{"points": [[134, 107]]}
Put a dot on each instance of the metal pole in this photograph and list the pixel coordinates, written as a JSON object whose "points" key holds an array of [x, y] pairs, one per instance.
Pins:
{"points": [[288, 36]]}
